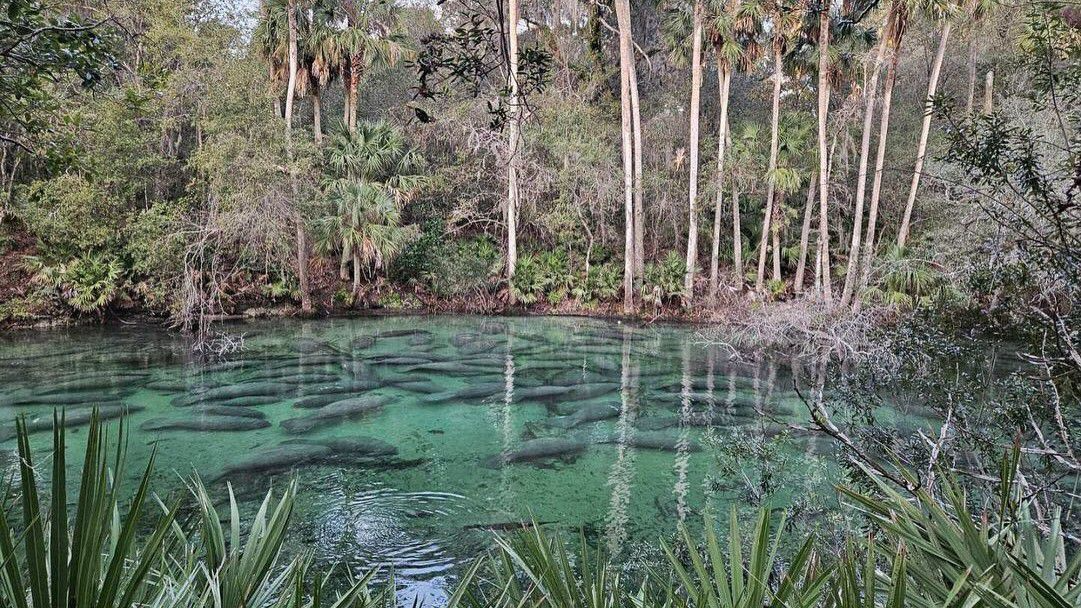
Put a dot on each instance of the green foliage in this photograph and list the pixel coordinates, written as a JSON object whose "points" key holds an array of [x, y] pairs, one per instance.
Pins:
{"points": [[543, 277], [88, 284], [907, 282], [69, 214], [663, 281], [603, 282], [446, 266]]}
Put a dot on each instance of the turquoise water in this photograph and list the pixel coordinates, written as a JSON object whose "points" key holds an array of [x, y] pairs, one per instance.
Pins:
{"points": [[432, 431]]}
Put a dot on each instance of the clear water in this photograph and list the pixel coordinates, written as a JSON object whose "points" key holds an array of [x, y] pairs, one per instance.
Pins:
{"points": [[582, 424]]}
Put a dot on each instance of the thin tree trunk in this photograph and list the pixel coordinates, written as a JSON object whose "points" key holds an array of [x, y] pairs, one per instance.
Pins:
{"points": [[343, 264], [724, 80], [639, 208], [805, 235], [302, 239], [692, 197], [823, 152], [760, 278], [626, 59], [775, 230], [356, 273], [971, 99], [921, 150], [512, 145], [317, 119], [989, 92], [868, 247], [737, 237], [870, 93]]}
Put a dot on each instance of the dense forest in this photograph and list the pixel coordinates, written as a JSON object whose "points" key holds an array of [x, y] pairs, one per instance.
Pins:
{"points": [[198, 159], [879, 198]]}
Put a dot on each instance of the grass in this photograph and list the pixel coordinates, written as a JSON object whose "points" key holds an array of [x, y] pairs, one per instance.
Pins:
{"points": [[921, 550]]}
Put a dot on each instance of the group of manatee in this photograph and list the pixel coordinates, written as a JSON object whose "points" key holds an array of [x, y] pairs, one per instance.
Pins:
{"points": [[579, 380]]}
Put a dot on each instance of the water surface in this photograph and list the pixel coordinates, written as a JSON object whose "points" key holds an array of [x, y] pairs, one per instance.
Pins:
{"points": [[432, 431]]}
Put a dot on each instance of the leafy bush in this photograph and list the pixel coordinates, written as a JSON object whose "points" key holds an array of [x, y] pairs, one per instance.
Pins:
{"points": [[69, 214], [88, 284], [445, 266], [546, 276], [663, 281], [602, 282]]}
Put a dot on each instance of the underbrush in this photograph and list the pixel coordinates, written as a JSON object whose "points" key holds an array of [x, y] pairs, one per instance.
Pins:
{"points": [[925, 547]]}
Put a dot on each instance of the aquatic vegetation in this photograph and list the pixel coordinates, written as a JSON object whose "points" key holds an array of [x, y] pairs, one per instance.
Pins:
{"points": [[920, 551]]}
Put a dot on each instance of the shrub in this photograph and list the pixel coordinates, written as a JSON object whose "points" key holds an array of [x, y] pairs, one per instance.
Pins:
{"points": [[88, 284], [69, 215], [602, 282], [663, 281]]}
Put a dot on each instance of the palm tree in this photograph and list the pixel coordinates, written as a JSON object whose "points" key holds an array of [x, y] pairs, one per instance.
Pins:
{"points": [[784, 23], [870, 92], [277, 38], [745, 171], [626, 74], [728, 53], [513, 137], [354, 37], [823, 157], [371, 174], [896, 22], [941, 11]]}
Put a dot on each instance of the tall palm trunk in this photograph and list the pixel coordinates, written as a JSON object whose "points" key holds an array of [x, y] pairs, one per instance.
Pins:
{"points": [[301, 236], [737, 237], [317, 118], [512, 146], [626, 64], [775, 232], [692, 196], [925, 129], [760, 278], [354, 83], [895, 31], [805, 235], [869, 94], [823, 154], [971, 99], [356, 272], [639, 208], [724, 81]]}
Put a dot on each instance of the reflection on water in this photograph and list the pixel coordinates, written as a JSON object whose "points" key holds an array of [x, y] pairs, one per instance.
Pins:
{"points": [[414, 438]]}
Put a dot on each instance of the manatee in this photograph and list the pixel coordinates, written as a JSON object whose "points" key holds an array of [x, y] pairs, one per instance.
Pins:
{"points": [[695, 419], [543, 448], [452, 367], [244, 389], [663, 442], [476, 391], [307, 378], [398, 333], [223, 366], [318, 401], [279, 458], [576, 376], [329, 414], [219, 410], [171, 386], [590, 390], [404, 361], [351, 447], [585, 415], [480, 346], [418, 386], [243, 401], [540, 393], [362, 343], [65, 398], [75, 418], [309, 345], [89, 384], [205, 423], [463, 338], [344, 387]]}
